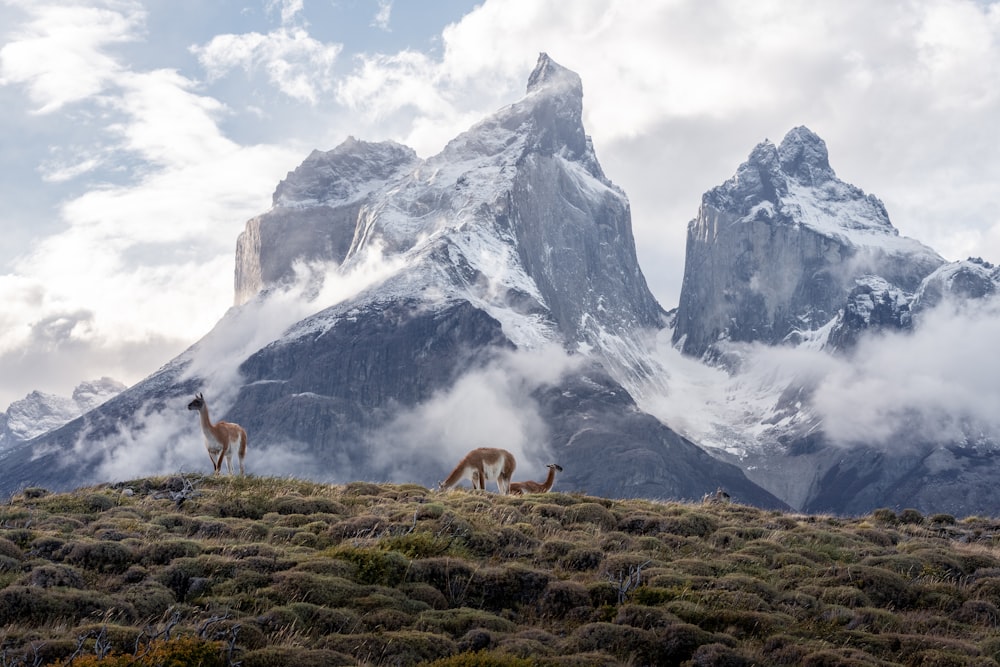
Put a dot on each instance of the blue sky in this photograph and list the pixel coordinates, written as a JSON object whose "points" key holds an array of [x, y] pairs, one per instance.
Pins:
{"points": [[139, 136]]}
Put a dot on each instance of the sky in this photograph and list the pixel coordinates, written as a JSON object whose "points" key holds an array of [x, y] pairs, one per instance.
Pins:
{"points": [[138, 137]]}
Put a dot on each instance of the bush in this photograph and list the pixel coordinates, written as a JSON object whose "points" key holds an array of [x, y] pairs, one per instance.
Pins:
{"points": [[718, 655], [885, 516], [670, 646], [99, 556], [281, 656], [392, 648], [295, 586], [561, 597], [48, 576], [457, 622], [482, 659], [375, 566], [23, 604], [591, 513], [911, 516], [10, 550], [162, 552], [176, 652], [499, 588], [308, 505], [581, 559]]}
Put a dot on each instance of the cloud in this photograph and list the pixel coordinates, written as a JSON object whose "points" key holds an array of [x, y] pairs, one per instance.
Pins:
{"points": [[148, 257], [297, 64], [936, 383], [59, 54], [382, 16], [488, 407]]}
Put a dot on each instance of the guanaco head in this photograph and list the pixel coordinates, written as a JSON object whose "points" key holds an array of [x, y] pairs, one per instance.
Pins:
{"points": [[556, 466], [197, 403]]}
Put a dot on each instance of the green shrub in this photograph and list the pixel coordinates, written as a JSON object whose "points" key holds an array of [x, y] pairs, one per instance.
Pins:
{"points": [[509, 587], [668, 646], [718, 655], [365, 525], [941, 520], [375, 566], [48, 576], [150, 599], [162, 552], [457, 622], [173, 653], [885, 516], [581, 559], [911, 516], [419, 544], [282, 656], [308, 505], [10, 549], [591, 513], [562, 597], [451, 576], [318, 620], [481, 659], [25, 604], [296, 586], [99, 556], [883, 588], [384, 619], [406, 647]]}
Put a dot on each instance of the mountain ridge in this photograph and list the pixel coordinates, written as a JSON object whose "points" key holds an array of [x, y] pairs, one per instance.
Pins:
{"points": [[394, 312]]}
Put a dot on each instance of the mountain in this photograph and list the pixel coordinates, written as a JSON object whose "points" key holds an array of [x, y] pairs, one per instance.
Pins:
{"points": [[793, 282], [41, 412], [393, 313], [777, 248]]}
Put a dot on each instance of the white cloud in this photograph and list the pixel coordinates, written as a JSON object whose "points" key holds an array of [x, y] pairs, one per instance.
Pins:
{"points": [[289, 9], [383, 15], [934, 383], [488, 407], [60, 55], [297, 64]]}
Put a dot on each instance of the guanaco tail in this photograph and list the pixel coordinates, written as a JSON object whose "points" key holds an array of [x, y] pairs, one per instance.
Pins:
{"points": [[520, 488], [220, 438], [480, 465]]}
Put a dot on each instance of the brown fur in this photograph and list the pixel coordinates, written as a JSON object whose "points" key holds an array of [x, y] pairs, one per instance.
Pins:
{"points": [[520, 488], [220, 437], [480, 465]]}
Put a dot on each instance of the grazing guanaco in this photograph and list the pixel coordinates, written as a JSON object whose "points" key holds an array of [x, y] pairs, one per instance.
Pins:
{"points": [[480, 465], [520, 488], [720, 496], [220, 438]]}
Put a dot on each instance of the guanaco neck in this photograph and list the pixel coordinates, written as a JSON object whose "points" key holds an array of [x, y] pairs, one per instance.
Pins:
{"points": [[550, 479], [206, 423]]}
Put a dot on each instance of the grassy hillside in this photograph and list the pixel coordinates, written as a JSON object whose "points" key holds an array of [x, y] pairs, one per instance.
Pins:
{"points": [[265, 571]]}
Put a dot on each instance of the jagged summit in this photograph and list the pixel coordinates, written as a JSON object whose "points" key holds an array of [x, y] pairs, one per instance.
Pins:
{"points": [[550, 74], [777, 249], [804, 157], [343, 173]]}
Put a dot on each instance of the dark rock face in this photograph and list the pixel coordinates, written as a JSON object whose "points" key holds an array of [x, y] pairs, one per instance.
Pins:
{"points": [[778, 248], [329, 388], [613, 449]]}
